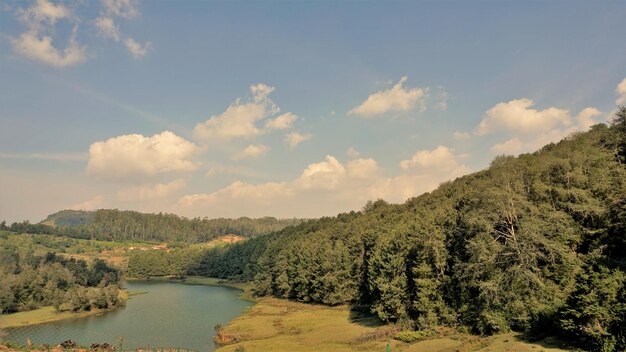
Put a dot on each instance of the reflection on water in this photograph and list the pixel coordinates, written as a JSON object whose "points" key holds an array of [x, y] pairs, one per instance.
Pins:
{"points": [[169, 315]]}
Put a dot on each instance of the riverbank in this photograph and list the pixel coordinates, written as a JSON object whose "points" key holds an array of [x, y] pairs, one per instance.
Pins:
{"points": [[280, 325], [43, 315], [49, 314]]}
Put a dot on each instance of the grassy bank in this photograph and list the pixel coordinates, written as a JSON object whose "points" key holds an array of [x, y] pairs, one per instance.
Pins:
{"points": [[49, 314], [40, 316], [278, 325]]}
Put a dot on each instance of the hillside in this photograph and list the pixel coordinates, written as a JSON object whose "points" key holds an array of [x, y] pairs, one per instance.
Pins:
{"points": [[534, 243], [124, 226]]}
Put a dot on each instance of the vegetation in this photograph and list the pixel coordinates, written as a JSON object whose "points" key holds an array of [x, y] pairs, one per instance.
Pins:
{"points": [[124, 226], [534, 243], [281, 325], [30, 281]]}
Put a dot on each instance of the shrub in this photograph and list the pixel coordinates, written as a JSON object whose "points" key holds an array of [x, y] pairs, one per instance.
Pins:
{"points": [[411, 336]]}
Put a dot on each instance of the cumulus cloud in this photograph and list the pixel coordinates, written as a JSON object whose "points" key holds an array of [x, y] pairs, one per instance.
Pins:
{"points": [[324, 188], [36, 43], [240, 118], [395, 98], [621, 92], [521, 143], [135, 155], [362, 168], [251, 151], [137, 50], [518, 115], [440, 159], [282, 122], [294, 138], [150, 191]]}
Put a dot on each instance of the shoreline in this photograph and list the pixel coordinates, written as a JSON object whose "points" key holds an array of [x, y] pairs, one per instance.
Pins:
{"points": [[45, 315], [202, 281]]}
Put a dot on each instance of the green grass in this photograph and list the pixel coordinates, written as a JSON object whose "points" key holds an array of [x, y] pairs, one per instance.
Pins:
{"points": [[40, 316], [274, 325]]}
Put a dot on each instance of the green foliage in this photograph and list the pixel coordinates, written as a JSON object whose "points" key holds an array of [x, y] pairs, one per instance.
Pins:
{"points": [[32, 281], [519, 246], [408, 336], [116, 225]]}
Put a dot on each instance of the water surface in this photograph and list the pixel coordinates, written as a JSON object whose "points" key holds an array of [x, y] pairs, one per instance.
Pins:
{"points": [[169, 315]]}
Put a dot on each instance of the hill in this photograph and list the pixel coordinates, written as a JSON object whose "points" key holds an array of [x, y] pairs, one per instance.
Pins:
{"points": [[124, 226], [535, 243]]}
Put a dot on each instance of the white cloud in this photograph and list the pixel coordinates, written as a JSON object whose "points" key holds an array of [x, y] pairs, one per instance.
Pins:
{"points": [[362, 168], [294, 138], [442, 100], [137, 50], [621, 92], [135, 155], [43, 11], [282, 122], [150, 191], [395, 98], [107, 28], [36, 43], [121, 8], [323, 188], [40, 48], [240, 118], [517, 115], [323, 175], [251, 151], [441, 159], [90, 204], [523, 143]]}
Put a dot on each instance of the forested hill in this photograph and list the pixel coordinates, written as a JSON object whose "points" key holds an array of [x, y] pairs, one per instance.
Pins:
{"points": [[533, 243], [117, 225]]}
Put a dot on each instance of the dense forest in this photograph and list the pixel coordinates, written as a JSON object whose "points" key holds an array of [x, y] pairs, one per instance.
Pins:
{"points": [[117, 225], [31, 281], [534, 243]]}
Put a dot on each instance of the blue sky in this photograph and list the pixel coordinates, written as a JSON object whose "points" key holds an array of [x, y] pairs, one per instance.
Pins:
{"points": [[282, 108]]}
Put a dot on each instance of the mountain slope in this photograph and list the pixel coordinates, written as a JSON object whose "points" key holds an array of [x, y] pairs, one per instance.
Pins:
{"points": [[533, 243]]}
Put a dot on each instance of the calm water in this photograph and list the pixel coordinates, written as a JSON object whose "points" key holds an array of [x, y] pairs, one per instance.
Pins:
{"points": [[169, 315]]}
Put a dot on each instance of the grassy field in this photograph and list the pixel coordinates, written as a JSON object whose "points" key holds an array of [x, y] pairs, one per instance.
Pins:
{"points": [[274, 325]]}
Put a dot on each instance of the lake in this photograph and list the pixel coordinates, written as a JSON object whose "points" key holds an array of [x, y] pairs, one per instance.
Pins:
{"points": [[169, 315]]}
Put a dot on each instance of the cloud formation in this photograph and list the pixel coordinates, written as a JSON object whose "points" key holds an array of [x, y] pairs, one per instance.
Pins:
{"points": [[282, 122], [36, 43], [90, 204], [240, 118], [326, 187], [150, 192], [135, 155], [518, 115], [293, 139], [395, 98], [108, 29], [525, 143], [251, 151]]}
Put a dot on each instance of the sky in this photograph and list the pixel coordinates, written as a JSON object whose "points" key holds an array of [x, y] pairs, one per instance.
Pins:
{"points": [[287, 108]]}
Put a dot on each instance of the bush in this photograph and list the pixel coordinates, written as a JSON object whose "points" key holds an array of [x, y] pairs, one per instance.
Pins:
{"points": [[411, 336]]}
